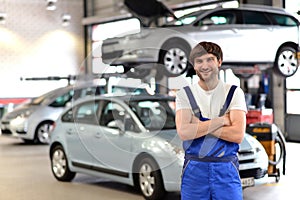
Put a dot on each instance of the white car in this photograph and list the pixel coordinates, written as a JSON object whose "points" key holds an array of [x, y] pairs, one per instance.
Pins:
{"points": [[253, 161], [33, 121], [249, 35], [132, 139]]}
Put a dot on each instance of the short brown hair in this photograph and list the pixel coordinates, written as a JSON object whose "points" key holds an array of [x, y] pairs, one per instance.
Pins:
{"points": [[204, 48]]}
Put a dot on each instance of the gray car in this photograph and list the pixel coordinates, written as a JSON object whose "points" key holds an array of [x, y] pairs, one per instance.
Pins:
{"points": [[34, 120], [249, 35], [132, 139]]}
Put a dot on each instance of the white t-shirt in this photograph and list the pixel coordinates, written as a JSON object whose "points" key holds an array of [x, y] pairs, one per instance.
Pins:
{"points": [[210, 102]]}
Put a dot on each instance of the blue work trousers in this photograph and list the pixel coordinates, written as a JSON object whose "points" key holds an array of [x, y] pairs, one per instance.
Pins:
{"points": [[211, 181]]}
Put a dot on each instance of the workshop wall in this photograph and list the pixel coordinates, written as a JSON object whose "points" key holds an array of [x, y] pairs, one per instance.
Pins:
{"points": [[34, 43]]}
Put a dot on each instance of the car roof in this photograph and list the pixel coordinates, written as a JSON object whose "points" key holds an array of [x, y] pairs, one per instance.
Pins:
{"points": [[61, 90], [126, 97], [251, 7], [263, 8]]}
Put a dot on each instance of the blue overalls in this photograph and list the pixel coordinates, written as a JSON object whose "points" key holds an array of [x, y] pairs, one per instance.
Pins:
{"points": [[211, 169]]}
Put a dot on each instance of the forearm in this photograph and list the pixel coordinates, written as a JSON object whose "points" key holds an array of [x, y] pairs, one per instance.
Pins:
{"points": [[229, 134], [197, 128], [233, 132]]}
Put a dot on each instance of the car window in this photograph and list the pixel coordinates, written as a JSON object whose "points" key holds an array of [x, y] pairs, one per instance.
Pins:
{"points": [[43, 98], [253, 17], [87, 113], [68, 116], [154, 114], [185, 20], [219, 18], [62, 100], [89, 91], [283, 20], [112, 115]]}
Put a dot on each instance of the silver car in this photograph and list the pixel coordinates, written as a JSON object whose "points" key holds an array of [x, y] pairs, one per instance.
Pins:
{"points": [[33, 121], [131, 139], [249, 35]]}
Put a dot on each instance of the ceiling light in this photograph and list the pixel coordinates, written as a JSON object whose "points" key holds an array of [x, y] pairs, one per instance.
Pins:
{"points": [[51, 5], [3, 18], [66, 18]]}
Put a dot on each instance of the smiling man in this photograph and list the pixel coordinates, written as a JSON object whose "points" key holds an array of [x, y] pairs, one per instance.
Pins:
{"points": [[211, 121]]}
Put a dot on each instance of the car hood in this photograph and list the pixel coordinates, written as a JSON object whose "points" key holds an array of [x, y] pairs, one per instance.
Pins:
{"points": [[248, 143], [170, 136], [20, 110], [148, 8]]}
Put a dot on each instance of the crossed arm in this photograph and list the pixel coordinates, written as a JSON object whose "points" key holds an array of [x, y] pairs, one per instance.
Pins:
{"points": [[230, 127]]}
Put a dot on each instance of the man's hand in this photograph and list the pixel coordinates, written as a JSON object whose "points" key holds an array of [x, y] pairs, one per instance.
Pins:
{"points": [[227, 121], [194, 120]]}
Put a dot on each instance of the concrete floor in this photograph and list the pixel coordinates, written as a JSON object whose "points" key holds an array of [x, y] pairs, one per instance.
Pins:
{"points": [[25, 175]]}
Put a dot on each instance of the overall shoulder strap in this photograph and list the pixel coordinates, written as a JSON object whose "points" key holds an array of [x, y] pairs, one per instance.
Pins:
{"points": [[228, 100], [193, 102]]}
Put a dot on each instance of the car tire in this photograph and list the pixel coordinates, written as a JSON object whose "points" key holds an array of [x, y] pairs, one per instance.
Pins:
{"points": [[59, 165], [174, 56], [150, 182], [42, 133], [286, 61]]}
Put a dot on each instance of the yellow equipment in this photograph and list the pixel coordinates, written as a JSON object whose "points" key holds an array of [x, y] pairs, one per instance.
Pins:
{"points": [[273, 141]]}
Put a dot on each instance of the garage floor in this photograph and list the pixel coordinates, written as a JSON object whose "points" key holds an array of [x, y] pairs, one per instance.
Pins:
{"points": [[25, 175]]}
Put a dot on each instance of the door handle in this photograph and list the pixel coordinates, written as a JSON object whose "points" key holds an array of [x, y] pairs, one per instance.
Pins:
{"points": [[98, 135], [235, 30], [70, 131]]}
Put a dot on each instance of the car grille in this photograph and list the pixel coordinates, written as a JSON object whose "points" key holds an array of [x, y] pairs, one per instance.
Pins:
{"points": [[246, 161], [246, 153], [6, 131], [5, 122], [256, 173]]}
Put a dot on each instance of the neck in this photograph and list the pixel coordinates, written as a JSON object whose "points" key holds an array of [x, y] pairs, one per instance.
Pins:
{"points": [[208, 85]]}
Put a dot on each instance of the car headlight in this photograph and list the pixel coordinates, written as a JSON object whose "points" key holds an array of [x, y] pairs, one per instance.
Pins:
{"points": [[25, 114]]}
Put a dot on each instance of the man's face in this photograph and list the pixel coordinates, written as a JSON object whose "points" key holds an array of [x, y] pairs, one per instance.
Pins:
{"points": [[207, 66]]}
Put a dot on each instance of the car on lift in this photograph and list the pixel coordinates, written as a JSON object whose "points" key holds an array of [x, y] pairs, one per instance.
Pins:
{"points": [[250, 35], [33, 121], [132, 139]]}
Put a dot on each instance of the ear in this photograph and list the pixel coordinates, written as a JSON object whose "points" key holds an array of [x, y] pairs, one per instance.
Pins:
{"points": [[220, 63]]}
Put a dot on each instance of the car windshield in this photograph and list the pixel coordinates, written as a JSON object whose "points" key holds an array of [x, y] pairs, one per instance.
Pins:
{"points": [[39, 100], [186, 19], [155, 114]]}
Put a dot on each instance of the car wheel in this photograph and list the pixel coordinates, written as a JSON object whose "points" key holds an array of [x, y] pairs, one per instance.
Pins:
{"points": [[174, 58], [286, 63], [42, 133], [150, 180], [59, 165]]}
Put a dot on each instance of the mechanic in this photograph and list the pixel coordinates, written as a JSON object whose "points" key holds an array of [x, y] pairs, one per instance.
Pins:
{"points": [[211, 121]]}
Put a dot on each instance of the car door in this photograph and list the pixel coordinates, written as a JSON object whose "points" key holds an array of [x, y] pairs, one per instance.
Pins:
{"points": [[257, 40], [80, 132], [113, 146]]}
